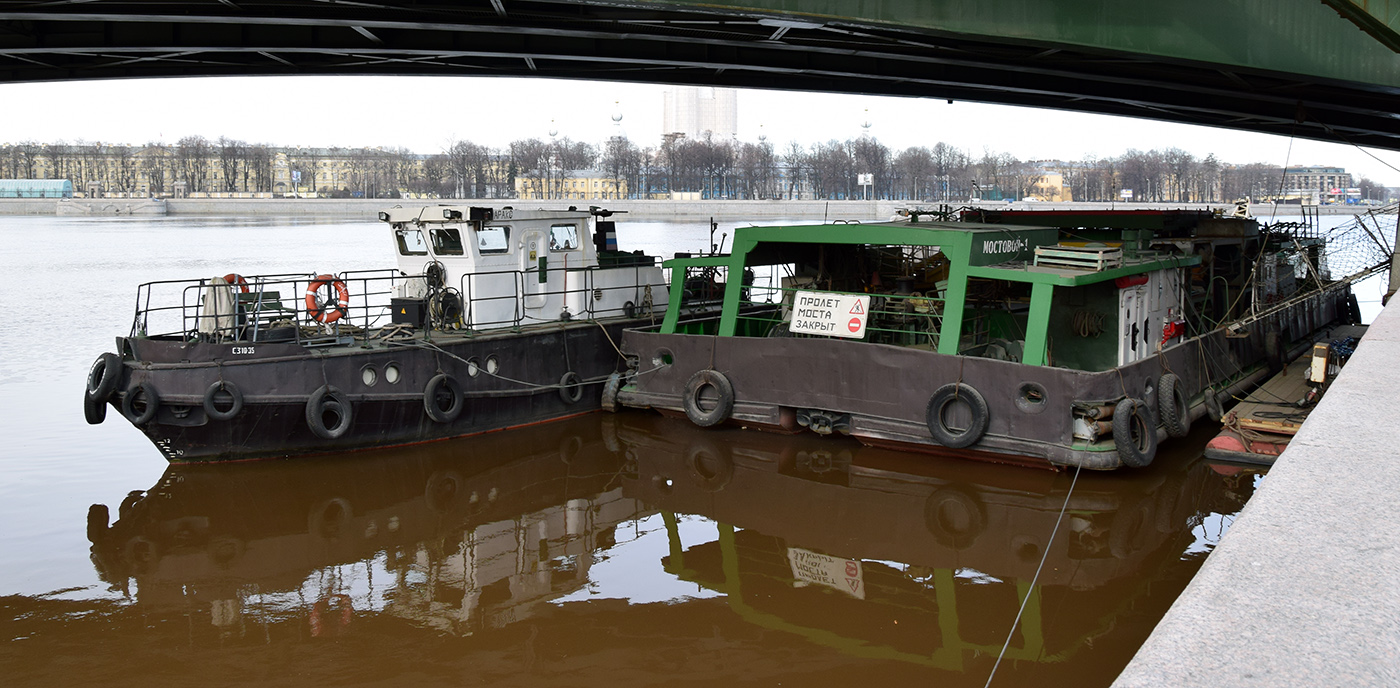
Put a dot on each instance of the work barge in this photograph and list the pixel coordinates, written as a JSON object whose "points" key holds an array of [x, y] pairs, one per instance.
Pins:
{"points": [[1055, 338], [490, 318]]}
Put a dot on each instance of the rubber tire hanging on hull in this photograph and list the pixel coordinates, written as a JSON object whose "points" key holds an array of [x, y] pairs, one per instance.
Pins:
{"points": [[610, 392], [94, 411], [1133, 417], [570, 388], [103, 377], [212, 410], [152, 403], [951, 393], [442, 382], [1213, 406], [1175, 409], [724, 402], [319, 403]]}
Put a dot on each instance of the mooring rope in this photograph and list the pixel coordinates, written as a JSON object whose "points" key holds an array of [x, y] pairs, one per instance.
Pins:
{"points": [[1044, 555]]}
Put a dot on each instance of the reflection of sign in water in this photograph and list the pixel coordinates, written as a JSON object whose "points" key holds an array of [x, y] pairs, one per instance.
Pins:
{"points": [[820, 569], [833, 315]]}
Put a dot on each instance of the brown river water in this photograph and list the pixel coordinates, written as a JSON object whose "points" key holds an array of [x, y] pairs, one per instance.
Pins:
{"points": [[613, 549]]}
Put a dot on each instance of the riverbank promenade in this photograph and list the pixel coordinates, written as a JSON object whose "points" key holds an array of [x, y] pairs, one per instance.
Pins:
{"points": [[1303, 589]]}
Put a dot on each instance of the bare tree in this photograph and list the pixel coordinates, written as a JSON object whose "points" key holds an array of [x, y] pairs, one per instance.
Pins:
{"points": [[155, 165], [192, 155], [914, 174], [621, 159], [869, 156], [306, 164], [123, 164], [232, 156]]}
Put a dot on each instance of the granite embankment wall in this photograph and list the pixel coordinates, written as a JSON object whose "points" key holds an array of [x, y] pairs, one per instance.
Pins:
{"points": [[744, 211], [1302, 591]]}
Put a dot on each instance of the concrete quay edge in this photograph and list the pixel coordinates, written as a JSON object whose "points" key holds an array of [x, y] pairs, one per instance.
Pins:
{"points": [[1304, 589]]}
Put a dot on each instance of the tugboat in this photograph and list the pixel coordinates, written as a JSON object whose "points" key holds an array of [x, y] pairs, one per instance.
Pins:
{"points": [[1045, 337], [493, 318]]}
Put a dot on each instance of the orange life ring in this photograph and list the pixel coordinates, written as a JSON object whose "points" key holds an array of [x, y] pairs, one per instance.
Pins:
{"points": [[234, 278], [329, 311], [325, 608]]}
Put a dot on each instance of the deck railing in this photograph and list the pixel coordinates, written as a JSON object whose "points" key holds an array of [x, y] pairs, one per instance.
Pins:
{"points": [[899, 319], [274, 306]]}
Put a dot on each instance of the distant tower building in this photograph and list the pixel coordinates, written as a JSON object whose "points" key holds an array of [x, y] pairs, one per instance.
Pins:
{"points": [[698, 110]]}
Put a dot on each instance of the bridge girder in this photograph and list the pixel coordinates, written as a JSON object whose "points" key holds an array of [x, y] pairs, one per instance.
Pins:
{"points": [[675, 44]]}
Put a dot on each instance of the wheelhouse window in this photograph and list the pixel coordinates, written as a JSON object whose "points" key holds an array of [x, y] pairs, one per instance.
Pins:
{"points": [[411, 242], [563, 237], [493, 239], [447, 242]]}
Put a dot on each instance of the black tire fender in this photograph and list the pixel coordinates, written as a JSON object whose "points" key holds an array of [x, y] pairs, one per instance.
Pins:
{"points": [[93, 410], [443, 383], [103, 377], [328, 398], [212, 410], [956, 392], [1134, 433], [151, 403], [1174, 408], [723, 402], [570, 388], [1213, 406], [611, 388]]}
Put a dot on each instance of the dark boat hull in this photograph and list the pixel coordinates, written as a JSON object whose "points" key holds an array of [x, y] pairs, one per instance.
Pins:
{"points": [[880, 393], [276, 382]]}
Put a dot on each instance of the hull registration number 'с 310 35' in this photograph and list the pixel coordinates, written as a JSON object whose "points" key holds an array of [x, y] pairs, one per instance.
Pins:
{"points": [[241, 350], [830, 314]]}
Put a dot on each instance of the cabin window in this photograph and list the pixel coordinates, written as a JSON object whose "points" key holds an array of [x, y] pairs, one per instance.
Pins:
{"points": [[563, 237], [411, 242], [447, 242], [493, 239]]}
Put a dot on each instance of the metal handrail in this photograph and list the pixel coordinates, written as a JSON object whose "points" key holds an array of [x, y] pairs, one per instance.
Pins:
{"points": [[370, 294], [903, 319]]}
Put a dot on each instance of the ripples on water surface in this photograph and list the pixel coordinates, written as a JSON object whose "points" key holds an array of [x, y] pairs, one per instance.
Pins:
{"points": [[607, 550]]}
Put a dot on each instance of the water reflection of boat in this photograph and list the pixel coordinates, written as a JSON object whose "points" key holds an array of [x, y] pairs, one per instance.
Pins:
{"points": [[617, 548], [875, 552], [497, 524]]}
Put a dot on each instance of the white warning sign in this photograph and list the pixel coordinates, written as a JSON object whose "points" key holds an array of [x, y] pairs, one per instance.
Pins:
{"points": [[810, 568], [830, 314]]}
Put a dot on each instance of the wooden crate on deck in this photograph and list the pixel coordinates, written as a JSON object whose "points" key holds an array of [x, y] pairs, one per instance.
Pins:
{"points": [[1092, 259]]}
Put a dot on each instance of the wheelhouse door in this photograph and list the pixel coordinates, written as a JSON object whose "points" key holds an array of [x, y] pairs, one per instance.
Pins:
{"points": [[534, 265], [1132, 325]]}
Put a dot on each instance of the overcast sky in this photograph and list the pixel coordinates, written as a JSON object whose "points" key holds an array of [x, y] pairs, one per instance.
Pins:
{"points": [[425, 114]]}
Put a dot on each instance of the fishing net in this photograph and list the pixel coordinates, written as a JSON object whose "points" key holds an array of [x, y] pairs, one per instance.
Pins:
{"points": [[1338, 248]]}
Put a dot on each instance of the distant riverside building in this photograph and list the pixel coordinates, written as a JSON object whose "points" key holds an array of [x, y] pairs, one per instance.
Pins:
{"points": [[1321, 179], [695, 111], [255, 171], [36, 188], [579, 185]]}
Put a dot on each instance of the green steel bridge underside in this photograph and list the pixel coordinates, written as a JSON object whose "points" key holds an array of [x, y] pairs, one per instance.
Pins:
{"points": [[1321, 69]]}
